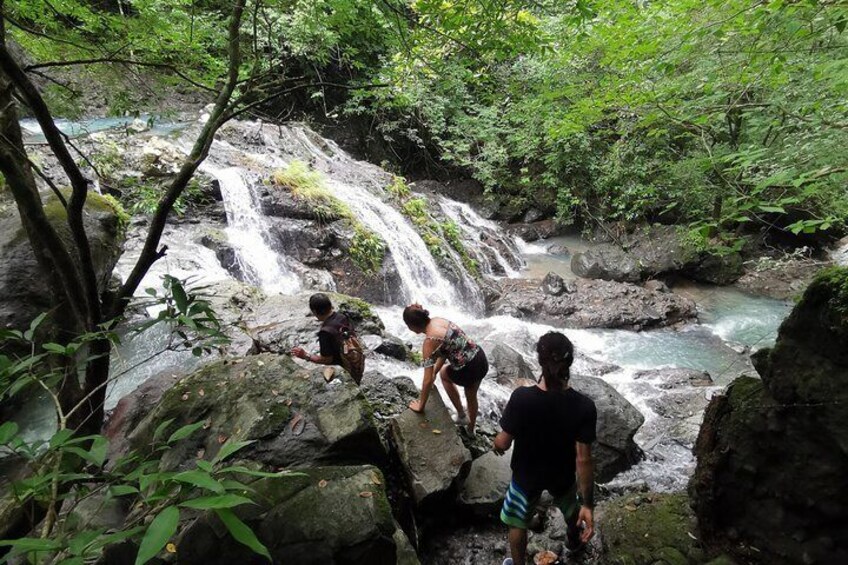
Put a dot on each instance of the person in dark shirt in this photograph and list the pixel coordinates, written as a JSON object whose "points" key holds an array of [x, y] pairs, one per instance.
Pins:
{"points": [[552, 427], [329, 336]]}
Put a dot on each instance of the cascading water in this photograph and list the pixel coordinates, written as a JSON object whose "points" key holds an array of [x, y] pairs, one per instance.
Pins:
{"points": [[247, 232], [477, 230]]}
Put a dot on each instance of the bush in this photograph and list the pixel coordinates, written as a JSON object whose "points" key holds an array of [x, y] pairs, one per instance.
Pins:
{"points": [[307, 185]]}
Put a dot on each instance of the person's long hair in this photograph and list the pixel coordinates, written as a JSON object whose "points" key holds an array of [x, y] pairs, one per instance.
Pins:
{"points": [[556, 354]]}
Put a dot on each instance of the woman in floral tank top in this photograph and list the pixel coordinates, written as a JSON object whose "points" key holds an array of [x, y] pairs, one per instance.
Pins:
{"points": [[450, 353]]}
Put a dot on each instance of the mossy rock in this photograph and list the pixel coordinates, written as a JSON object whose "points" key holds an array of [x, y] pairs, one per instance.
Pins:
{"points": [[647, 529], [23, 290], [323, 515], [290, 412]]}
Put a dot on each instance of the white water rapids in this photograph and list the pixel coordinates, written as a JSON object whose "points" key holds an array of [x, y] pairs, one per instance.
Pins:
{"points": [[731, 321]]}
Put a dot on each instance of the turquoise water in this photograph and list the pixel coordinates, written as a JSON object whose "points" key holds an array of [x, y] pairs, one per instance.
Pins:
{"points": [[78, 128]]}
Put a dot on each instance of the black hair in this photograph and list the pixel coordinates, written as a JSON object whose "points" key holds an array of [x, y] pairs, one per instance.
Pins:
{"points": [[556, 353], [416, 317], [320, 304]]}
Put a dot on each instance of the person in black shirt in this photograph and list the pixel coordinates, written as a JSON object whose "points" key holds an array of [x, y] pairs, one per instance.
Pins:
{"points": [[329, 336], [553, 427]]}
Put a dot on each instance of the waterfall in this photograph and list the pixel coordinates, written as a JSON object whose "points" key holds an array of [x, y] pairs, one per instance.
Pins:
{"points": [[477, 230], [422, 279], [247, 232]]}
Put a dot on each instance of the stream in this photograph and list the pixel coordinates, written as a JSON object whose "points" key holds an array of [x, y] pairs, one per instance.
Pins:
{"points": [[731, 324]]}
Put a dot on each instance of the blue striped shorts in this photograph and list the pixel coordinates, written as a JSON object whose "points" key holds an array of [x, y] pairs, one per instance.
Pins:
{"points": [[519, 504]]}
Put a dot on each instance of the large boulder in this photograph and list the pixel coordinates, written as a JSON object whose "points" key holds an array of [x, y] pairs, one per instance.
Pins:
{"points": [[608, 262], [325, 515], [24, 293], [618, 421], [293, 415], [510, 367], [772, 470], [431, 452], [593, 304]]}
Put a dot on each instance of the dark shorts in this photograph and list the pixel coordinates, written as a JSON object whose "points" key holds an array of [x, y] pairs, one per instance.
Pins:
{"points": [[473, 371]]}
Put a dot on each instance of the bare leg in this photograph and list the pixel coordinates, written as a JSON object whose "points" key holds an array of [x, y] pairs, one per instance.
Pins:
{"points": [[452, 391], [473, 408], [518, 545]]}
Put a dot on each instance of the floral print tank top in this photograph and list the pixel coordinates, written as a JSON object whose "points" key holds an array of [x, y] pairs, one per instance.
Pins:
{"points": [[456, 347]]}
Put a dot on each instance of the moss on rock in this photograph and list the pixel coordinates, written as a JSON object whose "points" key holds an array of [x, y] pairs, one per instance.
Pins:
{"points": [[646, 529]]}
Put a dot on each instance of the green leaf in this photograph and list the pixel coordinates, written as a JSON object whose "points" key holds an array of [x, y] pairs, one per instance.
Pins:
{"points": [[242, 533], [54, 348], [31, 544], [34, 326], [8, 430], [229, 448], [180, 296], [772, 209], [204, 465], [216, 502], [184, 432], [160, 530], [60, 438], [160, 429], [199, 479], [122, 490]]}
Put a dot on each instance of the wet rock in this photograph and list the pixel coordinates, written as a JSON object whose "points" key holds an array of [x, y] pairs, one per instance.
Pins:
{"points": [[532, 215], [158, 158], [23, 290], [509, 365], [293, 415], [593, 304], [430, 450], [527, 232], [675, 377], [394, 347], [279, 323], [793, 512], [656, 286], [555, 249], [618, 421], [484, 489], [607, 262], [331, 515], [554, 285], [782, 279], [388, 397], [591, 367], [716, 269], [644, 529], [227, 255]]}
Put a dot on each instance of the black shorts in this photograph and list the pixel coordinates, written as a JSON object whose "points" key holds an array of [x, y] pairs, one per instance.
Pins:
{"points": [[473, 371]]}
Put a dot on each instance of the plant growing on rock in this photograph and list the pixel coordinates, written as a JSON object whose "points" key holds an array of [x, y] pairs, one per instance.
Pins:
{"points": [[367, 249], [308, 185]]}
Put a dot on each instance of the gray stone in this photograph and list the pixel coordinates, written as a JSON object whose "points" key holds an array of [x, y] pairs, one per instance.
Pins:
{"points": [[24, 293], [554, 285], [393, 347], [608, 262], [328, 515], [510, 366], [293, 415], [486, 484], [431, 452], [618, 421], [593, 304]]}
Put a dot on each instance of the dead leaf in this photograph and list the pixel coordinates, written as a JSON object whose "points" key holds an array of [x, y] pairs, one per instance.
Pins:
{"points": [[288, 402], [201, 453], [222, 439], [171, 548], [297, 424], [366, 494], [201, 392], [423, 425], [207, 424], [630, 507], [275, 392], [322, 483], [185, 396], [261, 363], [375, 479], [437, 432]]}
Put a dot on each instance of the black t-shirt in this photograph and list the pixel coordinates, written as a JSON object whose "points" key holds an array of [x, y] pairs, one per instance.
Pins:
{"points": [[329, 339], [546, 425]]}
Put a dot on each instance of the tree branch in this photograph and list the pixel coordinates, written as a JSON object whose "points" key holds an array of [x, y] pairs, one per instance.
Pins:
{"points": [[199, 151]]}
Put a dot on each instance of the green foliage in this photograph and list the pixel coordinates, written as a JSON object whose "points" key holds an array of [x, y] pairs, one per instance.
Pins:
{"points": [[68, 471], [367, 249], [120, 213], [308, 185], [398, 188], [141, 195]]}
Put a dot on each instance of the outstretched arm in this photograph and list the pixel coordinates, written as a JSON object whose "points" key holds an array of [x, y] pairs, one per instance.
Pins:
{"points": [[427, 351], [301, 353], [586, 485]]}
